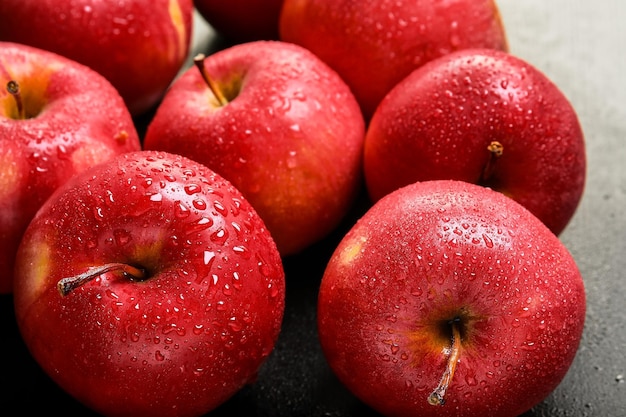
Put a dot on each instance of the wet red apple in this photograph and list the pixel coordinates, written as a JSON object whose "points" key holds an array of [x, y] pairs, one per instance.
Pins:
{"points": [[485, 117], [450, 299], [138, 45], [278, 123], [374, 44], [57, 118], [148, 286]]}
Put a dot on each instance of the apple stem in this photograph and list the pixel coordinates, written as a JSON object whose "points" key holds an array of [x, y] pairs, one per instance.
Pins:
{"points": [[495, 149], [14, 89], [199, 61], [67, 285], [437, 397]]}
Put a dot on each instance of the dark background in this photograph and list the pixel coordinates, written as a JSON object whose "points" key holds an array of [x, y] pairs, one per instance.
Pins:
{"points": [[580, 46]]}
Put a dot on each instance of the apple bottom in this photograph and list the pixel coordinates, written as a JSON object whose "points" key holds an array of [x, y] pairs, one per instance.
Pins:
{"points": [[457, 297], [405, 360], [155, 361]]}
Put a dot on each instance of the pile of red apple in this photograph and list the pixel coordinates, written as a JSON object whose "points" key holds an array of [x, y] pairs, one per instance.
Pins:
{"points": [[146, 271]]}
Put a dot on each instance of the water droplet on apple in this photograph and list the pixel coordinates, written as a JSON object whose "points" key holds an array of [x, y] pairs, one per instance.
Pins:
{"points": [[192, 189], [159, 356], [470, 379], [181, 210], [219, 237], [199, 204], [488, 241], [219, 207]]}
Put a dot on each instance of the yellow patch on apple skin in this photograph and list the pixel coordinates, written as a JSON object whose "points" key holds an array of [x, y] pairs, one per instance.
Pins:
{"points": [[352, 250], [37, 271], [11, 175], [176, 14], [90, 154]]}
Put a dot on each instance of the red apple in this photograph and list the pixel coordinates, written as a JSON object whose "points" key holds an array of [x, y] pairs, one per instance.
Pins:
{"points": [[148, 286], [242, 20], [374, 44], [57, 118], [280, 125], [450, 299], [485, 117], [138, 45]]}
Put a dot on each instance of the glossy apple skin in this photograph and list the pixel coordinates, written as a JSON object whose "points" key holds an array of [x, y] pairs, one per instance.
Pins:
{"points": [[242, 20], [290, 138], [76, 119], [138, 45], [439, 121], [374, 44], [427, 254], [178, 343]]}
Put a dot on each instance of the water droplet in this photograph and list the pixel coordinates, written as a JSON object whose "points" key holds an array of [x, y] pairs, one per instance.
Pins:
{"points": [[488, 241], [192, 189], [199, 204], [219, 236], [159, 356], [181, 210]]}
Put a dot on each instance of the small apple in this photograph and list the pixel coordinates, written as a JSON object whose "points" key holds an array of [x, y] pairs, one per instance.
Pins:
{"points": [[138, 45], [374, 44], [450, 299], [486, 117], [279, 124], [148, 286], [242, 20], [57, 118]]}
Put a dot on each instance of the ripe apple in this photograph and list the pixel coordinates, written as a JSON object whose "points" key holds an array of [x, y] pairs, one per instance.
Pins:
{"points": [[279, 124], [57, 118], [450, 299], [138, 45], [486, 117], [148, 286], [242, 20], [374, 44]]}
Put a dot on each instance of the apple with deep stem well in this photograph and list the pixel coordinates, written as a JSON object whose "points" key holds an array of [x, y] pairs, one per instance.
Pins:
{"points": [[148, 286], [138, 45], [374, 44], [242, 20], [485, 117], [450, 299], [57, 118], [279, 124]]}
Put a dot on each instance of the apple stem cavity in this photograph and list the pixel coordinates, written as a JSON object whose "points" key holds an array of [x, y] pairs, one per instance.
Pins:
{"points": [[495, 149], [199, 62], [69, 284], [14, 89], [437, 397]]}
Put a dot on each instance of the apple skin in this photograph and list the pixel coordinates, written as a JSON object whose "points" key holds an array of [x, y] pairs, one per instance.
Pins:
{"points": [[183, 339], [374, 44], [75, 119], [433, 252], [242, 20], [290, 137], [439, 122], [138, 45]]}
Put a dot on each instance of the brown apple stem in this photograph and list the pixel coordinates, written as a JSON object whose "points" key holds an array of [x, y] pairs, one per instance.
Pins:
{"points": [[14, 89], [495, 149], [199, 61], [437, 397], [67, 285]]}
